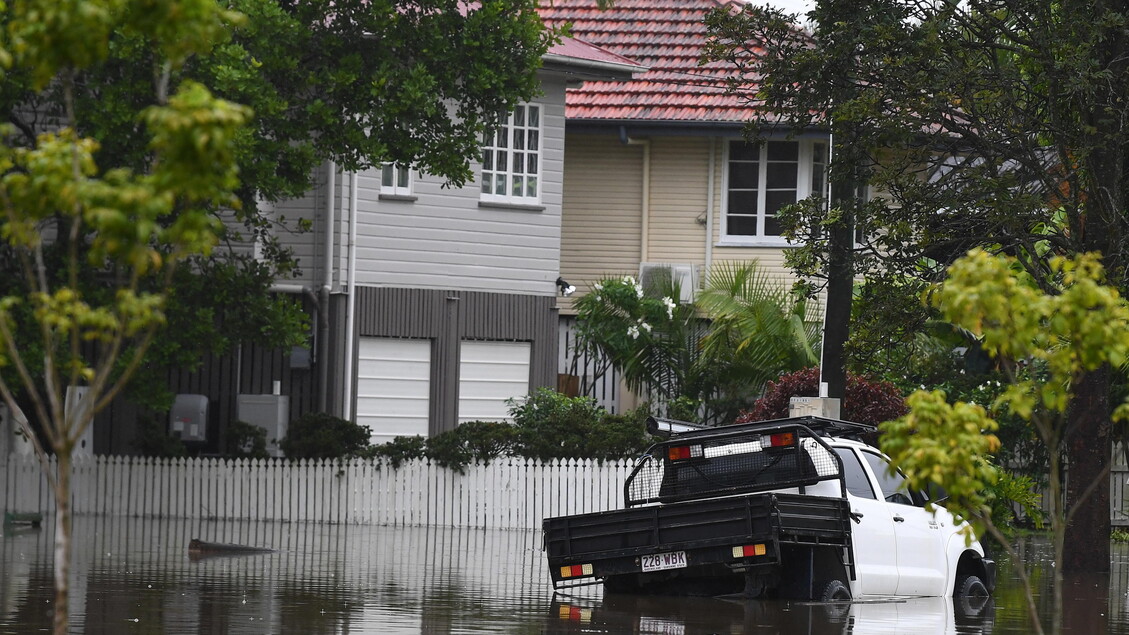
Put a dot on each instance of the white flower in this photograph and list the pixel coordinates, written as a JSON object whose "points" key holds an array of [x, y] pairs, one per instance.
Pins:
{"points": [[597, 286], [669, 304], [629, 280], [639, 291], [633, 331], [643, 325]]}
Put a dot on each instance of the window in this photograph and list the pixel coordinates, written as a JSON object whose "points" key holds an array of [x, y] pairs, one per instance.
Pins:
{"points": [[893, 486], [511, 158], [395, 180], [764, 177], [853, 474]]}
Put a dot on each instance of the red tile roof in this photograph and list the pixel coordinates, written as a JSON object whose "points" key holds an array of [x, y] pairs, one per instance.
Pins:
{"points": [[668, 37]]}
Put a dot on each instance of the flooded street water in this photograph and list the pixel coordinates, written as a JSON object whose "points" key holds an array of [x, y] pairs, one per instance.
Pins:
{"points": [[136, 576]]}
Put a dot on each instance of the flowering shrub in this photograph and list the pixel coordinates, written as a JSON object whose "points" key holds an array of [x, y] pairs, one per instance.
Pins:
{"points": [[652, 339], [865, 401]]}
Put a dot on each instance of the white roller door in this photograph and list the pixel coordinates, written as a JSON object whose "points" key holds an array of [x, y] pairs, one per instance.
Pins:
{"points": [[393, 386], [489, 374]]}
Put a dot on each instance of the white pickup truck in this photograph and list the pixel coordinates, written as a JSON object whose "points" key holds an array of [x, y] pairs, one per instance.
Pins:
{"points": [[799, 508]]}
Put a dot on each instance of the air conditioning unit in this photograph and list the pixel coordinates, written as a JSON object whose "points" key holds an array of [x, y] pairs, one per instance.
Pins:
{"points": [[657, 275]]}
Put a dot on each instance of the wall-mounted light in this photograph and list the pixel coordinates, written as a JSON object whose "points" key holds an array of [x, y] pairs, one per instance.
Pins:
{"points": [[566, 288]]}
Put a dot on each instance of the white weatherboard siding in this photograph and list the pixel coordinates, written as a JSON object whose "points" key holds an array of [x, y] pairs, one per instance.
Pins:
{"points": [[308, 247], [393, 386], [446, 239], [490, 373]]}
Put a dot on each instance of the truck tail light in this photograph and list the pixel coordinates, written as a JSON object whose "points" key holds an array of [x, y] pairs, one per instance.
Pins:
{"points": [[576, 571], [683, 452], [779, 440], [747, 551]]}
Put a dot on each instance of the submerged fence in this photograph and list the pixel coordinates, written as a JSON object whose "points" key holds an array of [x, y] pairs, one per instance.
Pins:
{"points": [[508, 493]]}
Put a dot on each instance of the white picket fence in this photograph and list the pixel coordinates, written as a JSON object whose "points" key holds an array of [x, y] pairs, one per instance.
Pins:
{"points": [[508, 493]]}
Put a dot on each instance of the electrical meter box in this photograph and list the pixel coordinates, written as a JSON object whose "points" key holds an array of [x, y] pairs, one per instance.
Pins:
{"points": [[188, 418], [813, 407], [269, 412]]}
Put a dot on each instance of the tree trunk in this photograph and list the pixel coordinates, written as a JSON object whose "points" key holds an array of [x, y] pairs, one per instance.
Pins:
{"points": [[840, 269], [840, 294], [62, 542], [1088, 458]]}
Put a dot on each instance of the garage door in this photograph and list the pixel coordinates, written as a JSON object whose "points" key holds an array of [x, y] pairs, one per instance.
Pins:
{"points": [[393, 386], [489, 374]]}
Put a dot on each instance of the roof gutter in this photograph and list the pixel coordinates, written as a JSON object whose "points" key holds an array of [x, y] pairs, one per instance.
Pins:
{"points": [[601, 69]]}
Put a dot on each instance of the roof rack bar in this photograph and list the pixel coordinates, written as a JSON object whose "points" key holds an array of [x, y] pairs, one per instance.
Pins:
{"points": [[659, 426], [819, 425]]}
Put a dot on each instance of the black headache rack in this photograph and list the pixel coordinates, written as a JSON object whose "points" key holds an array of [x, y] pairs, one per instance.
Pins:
{"points": [[739, 459]]}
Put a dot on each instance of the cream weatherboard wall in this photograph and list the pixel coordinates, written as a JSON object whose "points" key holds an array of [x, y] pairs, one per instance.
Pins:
{"points": [[601, 225], [607, 231], [679, 195]]}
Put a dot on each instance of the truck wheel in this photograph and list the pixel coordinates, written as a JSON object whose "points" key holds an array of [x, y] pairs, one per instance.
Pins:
{"points": [[832, 591], [970, 586]]}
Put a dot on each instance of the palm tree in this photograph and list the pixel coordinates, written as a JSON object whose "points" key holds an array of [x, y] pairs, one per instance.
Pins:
{"points": [[759, 329], [713, 356]]}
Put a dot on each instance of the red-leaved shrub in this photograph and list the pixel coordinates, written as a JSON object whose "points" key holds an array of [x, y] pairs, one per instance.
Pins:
{"points": [[866, 401]]}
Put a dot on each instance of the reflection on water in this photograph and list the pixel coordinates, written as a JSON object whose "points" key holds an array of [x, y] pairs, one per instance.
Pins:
{"points": [[706, 615], [136, 576]]}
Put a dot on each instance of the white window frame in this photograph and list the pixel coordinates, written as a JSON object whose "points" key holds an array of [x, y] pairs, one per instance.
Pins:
{"points": [[519, 137], [805, 174], [395, 179]]}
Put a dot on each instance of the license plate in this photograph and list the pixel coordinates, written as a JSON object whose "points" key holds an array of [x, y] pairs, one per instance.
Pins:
{"points": [[662, 561]]}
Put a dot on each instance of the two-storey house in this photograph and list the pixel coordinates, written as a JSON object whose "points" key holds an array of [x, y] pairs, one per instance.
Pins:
{"points": [[657, 170], [430, 305]]}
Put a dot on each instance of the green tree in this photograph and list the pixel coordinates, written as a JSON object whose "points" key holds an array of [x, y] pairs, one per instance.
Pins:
{"points": [[988, 123], [1049, 343], [125, 224], [757, 325], [355, 82]]}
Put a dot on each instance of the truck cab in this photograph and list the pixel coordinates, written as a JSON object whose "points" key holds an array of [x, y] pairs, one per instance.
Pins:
{"points": [[902, 548]]}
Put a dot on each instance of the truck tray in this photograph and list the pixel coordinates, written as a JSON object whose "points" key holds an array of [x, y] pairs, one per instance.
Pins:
{"points": [[613, 542]]}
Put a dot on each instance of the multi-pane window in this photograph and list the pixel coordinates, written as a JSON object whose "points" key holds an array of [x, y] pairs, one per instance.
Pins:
{"points": [[511, 158], [395, 179], [764, 177]]}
